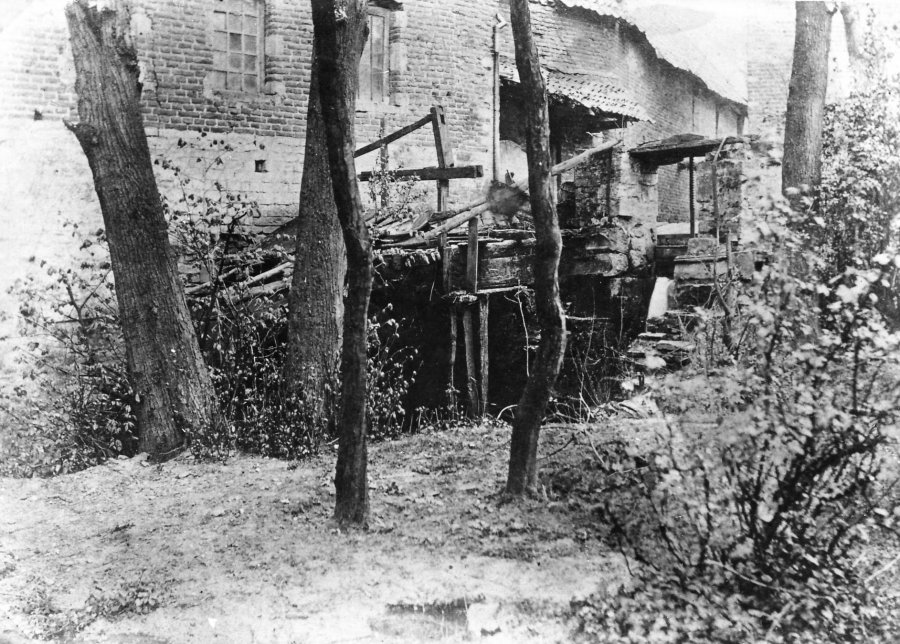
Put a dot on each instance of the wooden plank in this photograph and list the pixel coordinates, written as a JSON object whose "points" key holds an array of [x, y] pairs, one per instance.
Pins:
{"points": [[674, 149], [390, 138], [578, 159], [432, 173], [443, 146], [477, 207], [445, 262], [451, 366], [516, 270], [692, 210], [471, 368], [484, 306], [472, 257], [445, 156]]}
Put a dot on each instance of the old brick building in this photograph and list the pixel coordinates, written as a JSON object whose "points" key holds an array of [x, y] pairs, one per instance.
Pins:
{"points": [[226, 81], [240, 68]]}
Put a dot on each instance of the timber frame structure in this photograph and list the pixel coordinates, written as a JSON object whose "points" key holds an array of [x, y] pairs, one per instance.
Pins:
{"points": [[477, 252]]}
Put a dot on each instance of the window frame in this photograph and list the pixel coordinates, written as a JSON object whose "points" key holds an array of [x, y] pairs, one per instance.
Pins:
{"points": [[385, 14], [224, 7]]}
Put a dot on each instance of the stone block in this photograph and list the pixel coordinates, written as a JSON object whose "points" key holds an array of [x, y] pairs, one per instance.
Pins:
{"points": [[700, 268], [744, 263], [702, 246], [637, 260]]}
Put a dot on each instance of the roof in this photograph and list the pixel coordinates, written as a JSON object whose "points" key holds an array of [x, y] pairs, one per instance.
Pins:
{"points": [[597, 92], [696, 36], [676, 148]]}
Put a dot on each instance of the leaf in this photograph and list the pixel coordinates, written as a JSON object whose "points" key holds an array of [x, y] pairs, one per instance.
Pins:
{"points": [[765, 513]]}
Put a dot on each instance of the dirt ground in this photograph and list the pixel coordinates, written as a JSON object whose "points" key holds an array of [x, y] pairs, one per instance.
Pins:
{"points": [[243, 551]]}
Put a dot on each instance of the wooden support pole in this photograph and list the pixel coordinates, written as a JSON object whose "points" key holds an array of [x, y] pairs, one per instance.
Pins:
{"points": [[444, 150], [495, 50], [451, 366], [484, 306], [471, 366], [693, 214], [472, 257]]}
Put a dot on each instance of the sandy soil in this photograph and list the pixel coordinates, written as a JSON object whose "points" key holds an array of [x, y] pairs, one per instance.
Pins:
{"points": [[244, 552]]}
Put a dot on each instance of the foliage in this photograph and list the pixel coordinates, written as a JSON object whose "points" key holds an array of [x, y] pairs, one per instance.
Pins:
{"points": [[762, 505], [595, 371], [859, 198], [73, 405], [390, 199], [243, 333], [389, 372], [49, 622]]}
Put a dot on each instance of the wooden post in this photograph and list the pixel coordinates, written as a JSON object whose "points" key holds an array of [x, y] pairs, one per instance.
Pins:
{"points": [[483, 314], [384, 157], [451, 367], [444, 152], [471, 368], [495, 50], [472, 256], [691, 196]]}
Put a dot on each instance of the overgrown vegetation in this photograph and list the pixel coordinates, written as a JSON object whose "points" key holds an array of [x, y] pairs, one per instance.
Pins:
{"points": [[860, 193], [74, 408], [749, 521]]}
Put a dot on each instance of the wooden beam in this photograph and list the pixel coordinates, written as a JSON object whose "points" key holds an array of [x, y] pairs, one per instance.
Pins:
{"points": [[674, 149], [451, 367], [691, 210], [471, 369], [390, 138], [484, 359], [433, 173], [464, 214], [472, 257], [578, 159], [444, 150]]}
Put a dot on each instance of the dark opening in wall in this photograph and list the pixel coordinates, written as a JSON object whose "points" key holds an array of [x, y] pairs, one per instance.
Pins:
{"points": [[260, 165]]}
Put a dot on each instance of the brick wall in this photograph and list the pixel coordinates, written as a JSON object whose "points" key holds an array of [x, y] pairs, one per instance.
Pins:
{"points": [[440, 54], [769, 71]]}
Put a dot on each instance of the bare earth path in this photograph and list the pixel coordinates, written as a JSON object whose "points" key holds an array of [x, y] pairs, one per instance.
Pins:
{"points": [[243, 551]]}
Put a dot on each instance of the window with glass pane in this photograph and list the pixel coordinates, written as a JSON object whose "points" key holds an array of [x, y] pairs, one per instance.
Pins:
{"points": [[374, 74], [237, 45]]}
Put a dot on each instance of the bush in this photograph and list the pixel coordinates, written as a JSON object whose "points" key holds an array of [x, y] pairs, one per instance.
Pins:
{"points": [[763, 504], [73, 408], [72, 401]]}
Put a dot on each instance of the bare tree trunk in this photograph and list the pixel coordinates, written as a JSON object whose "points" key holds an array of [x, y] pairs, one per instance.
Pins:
{"points": [[802, 163], [854, 31], [173, 392], [522, 476], [339, 31], [315, 301]]}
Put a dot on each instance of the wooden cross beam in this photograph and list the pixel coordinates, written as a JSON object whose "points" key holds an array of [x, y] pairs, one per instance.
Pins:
{"points": [[432, 173]]}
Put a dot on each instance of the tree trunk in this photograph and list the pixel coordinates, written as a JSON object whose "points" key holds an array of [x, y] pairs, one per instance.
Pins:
{"points": [[854, 32], [173, 392], [522, 476], [339, 31], [315, 301], [802, 165]]}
